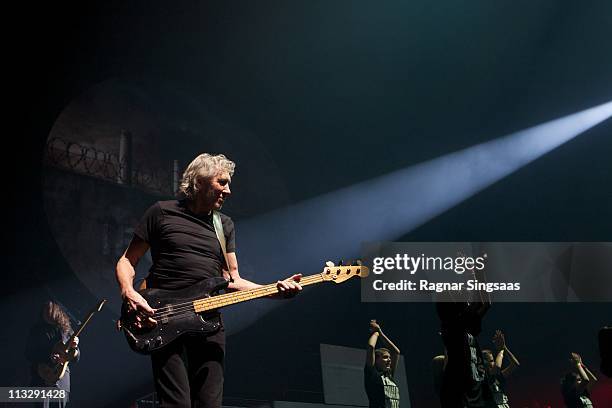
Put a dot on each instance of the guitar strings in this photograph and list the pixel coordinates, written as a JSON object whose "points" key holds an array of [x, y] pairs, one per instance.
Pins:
{"points": [[188, 307], [182, 308]]}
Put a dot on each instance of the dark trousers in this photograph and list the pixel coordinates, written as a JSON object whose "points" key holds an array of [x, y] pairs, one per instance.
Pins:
{"points": [[188, 373]]}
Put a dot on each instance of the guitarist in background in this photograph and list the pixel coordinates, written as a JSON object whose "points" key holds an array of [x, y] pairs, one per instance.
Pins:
{"points": [[185, 250], [52, 327]]}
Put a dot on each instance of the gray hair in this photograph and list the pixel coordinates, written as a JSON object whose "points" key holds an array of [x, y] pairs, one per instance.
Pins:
{"points": [[206, 166]]}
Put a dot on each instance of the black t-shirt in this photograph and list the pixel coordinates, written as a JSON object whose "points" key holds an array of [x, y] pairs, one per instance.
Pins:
{"points": [[184, 246], [464, 376], [381, 390], [575, 399], [497, 383]]}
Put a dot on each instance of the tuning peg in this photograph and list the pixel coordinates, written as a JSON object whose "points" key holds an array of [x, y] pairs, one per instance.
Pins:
{"points": [[340, 262], [358, 262], [329, 264]]}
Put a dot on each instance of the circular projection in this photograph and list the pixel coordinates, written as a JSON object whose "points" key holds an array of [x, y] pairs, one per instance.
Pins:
{"points": [[121, 146]]}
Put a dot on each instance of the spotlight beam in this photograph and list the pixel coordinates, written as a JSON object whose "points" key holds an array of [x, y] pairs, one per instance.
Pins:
{"points": [[333, 226]]}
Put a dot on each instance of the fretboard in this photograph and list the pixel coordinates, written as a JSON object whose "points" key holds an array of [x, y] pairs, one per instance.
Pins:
{"points": [[215, 302]]}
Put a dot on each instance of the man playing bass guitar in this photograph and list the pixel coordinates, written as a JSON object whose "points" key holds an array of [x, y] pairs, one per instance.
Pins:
{"points": [[186, 249]]}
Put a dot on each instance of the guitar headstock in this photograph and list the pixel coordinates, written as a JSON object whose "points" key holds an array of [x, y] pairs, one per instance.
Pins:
{"points": [[99, 307], [340, 273]]}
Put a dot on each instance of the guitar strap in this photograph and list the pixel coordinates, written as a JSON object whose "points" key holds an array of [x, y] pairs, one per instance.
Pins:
{"points": [[220, 235]]}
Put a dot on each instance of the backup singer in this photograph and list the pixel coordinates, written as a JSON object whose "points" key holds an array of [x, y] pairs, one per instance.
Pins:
{"points": [[379, 370], [575, 385], [497, 374]]}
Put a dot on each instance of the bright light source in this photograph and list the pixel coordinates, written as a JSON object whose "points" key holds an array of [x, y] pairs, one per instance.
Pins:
{"points": [[333, 226]]}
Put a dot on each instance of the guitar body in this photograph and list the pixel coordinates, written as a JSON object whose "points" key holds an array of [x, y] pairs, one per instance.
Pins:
{"points": [[175, 316], [51, 373]]}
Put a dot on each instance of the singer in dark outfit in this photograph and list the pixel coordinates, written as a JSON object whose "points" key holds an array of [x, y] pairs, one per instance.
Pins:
{"points": [[379, 370]]}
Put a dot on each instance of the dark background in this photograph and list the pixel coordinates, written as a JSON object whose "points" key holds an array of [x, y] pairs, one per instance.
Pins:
{"points": [[338, 92]]}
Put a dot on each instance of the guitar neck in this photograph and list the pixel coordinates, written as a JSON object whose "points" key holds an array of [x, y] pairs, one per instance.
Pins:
{"points": [[215, 302], [84, 324]]}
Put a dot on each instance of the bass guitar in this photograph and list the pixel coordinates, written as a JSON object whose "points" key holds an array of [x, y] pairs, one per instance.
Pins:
{"points": [[194, 309]]}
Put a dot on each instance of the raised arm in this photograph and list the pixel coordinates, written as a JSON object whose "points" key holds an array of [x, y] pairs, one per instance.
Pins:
{"points": [[502, 349], [590, 376], [392, 347], [485, 297], [394, 351], [482, 301], [372, 340], [583, 372]]}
